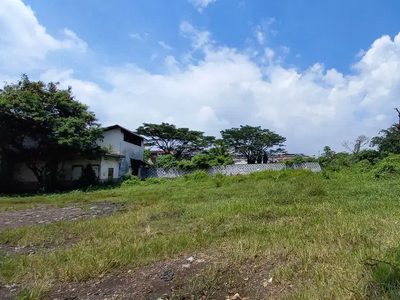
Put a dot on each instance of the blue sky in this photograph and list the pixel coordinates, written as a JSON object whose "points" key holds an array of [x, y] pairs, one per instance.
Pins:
{"points": [[317, 72]]}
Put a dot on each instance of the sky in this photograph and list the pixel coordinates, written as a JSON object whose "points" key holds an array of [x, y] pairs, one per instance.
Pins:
{"points": [[316, 72]]}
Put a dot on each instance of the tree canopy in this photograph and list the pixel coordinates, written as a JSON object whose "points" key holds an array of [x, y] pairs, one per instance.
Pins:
{"points": [[173, 140], [388, 141], [253, 142], [44, 125]]}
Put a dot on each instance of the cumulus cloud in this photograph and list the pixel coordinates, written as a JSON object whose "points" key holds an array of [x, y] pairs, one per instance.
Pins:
{"points": [[165, 45], [135, 36], [227, 88], [201, 4], [24, 42]]}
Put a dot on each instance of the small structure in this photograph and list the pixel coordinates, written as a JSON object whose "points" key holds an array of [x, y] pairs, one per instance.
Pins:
{"points": [[124, 155]]}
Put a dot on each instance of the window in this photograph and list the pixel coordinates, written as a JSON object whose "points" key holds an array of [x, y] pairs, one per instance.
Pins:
{"points": [[133, 139], [77, 172], [96, 170]]}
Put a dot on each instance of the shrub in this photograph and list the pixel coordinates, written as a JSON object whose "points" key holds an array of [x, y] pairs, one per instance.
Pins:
{"points": [[371, 155], [201, 161], [152, 180], [88, 177], [388, 167], [166, 161], [298, 159], [198, 175], [130, 182], [127, 176], [185, 165], [219, 179], [363, 166]]}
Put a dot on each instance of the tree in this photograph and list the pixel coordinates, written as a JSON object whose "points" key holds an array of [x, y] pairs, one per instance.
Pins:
{"points": [[388, 141], [355, 147], [252, 142], [172, 140], [146, 155], [44, 126]]}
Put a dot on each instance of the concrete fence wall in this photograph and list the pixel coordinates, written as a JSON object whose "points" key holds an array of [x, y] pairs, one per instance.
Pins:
{"points": [[229, 170]]}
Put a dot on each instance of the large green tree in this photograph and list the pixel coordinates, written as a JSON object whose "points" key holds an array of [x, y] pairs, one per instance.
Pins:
{"points": [[43, 126], [173, 140], [253, 142], [388, 141]]}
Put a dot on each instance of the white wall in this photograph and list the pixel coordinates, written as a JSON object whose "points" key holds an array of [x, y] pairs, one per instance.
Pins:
{"points": [[130, 151], [23, 174], [106, 163], [112, 137]]}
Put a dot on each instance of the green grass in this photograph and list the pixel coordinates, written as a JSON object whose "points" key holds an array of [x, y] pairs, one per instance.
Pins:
{"points": [[322, 228]]}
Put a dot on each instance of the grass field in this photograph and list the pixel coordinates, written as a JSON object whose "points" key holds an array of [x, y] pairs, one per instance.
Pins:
{"points": [[332, 236]]}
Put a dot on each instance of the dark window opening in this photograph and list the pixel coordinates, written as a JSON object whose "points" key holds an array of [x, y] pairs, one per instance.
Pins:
{"points": [[133, 139]]}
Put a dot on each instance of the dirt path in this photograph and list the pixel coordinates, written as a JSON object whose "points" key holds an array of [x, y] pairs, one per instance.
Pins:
{"points": [[45, 215]]}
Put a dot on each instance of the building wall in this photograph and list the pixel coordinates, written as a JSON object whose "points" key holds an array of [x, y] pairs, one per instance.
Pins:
{"points": [[130, 151], [23, 174]]}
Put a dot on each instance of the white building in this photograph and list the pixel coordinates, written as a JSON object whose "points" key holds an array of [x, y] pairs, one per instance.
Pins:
{"points": [[125, 156]]}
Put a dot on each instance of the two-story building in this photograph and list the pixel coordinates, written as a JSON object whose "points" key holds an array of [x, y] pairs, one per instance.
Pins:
{"points": [[124, 155]]}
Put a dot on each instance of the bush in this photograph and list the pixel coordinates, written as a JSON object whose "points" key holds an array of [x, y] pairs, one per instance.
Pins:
{"points": [[127, 176], [219, 179], [166, 161], [298, 159], [371, 155], [88, 177], [198, 175], [388, 167], [130, 182], [201, 161], [152, 180], [363, 166], [185, 165]]}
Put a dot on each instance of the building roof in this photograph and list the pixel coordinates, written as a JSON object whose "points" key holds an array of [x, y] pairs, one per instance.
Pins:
{"points": [[122, 128]]}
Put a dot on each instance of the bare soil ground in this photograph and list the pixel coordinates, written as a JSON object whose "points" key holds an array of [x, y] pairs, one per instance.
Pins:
{"points": [[46, 215], [204, 278]]}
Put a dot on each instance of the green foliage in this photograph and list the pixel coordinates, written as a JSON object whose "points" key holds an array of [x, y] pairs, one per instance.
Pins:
{"points": [[146, 155], [388, 167], [252, 142], [150, 181], [201, 161], [174, 140], [88, 177], [186, 165], [196, 176], [128, 176], [166, 161], [134, 180], [221, 161], [54, 123], [363, 166], [219, 179], [219, 154], [289, 163], [336, 161], [388, 141], [298, 159], [371, 155]]}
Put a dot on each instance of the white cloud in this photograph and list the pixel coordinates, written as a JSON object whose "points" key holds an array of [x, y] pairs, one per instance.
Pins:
{"points": [[24, 42], [165, 45], [135, 36], [264, 29], [199, 38], [260, 37], [201, 4], [224, 87]]}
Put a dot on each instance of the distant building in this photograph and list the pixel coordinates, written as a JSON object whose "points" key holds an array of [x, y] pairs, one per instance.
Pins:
{"points": [[125, 155]]}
